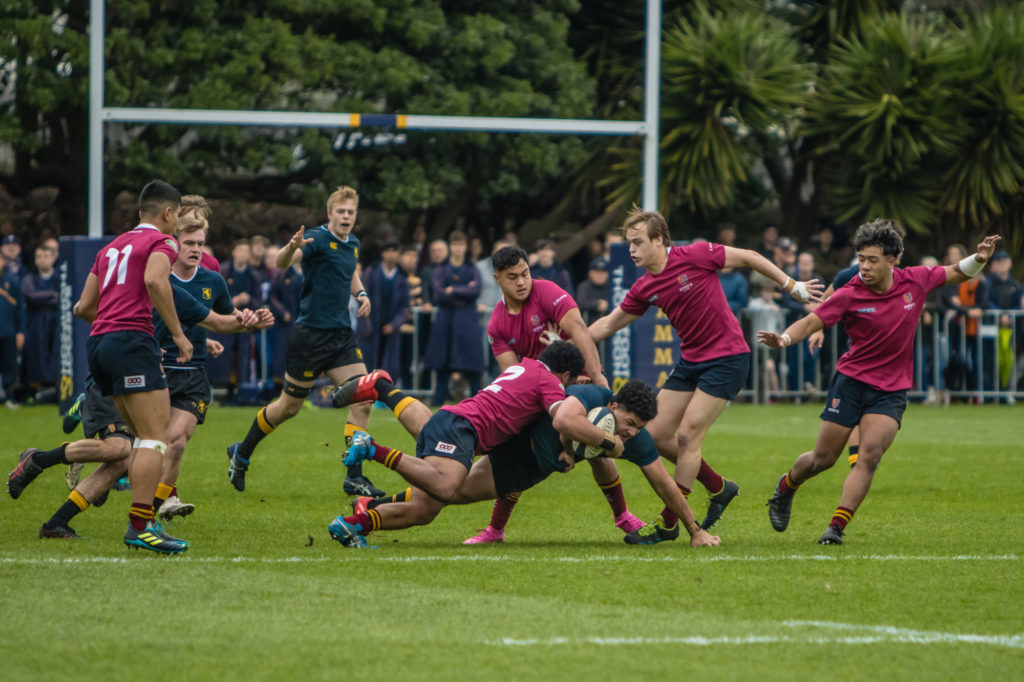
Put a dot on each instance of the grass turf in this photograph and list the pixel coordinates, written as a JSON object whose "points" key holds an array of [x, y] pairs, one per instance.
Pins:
{"points": [[927, 586]]}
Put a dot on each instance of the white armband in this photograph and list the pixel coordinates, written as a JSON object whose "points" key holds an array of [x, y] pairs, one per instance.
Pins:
{"points": [[970, 266], [786, 340]]}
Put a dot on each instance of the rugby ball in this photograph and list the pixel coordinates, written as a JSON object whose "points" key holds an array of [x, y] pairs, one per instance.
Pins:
{"points": [[602, 418]]}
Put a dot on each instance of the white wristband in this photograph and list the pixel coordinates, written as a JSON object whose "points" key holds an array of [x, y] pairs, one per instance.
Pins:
{"points": [[786, 340], [970, 266]]}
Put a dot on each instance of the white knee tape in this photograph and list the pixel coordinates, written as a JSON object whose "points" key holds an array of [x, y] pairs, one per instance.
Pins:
{"points": [[157, 445], [135, 443]]}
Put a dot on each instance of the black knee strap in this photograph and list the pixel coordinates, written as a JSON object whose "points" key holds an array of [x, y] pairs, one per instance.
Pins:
{"points": [[296, 391]]}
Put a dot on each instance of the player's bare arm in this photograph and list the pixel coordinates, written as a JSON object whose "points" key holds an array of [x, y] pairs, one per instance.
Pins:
{"points": [[292, 251], [570, 420], [158, 285], [506, 359], [670, 494], [573, 325], [609, 324], [795, 333], [805, 292], [972, 265], [85, 308]]}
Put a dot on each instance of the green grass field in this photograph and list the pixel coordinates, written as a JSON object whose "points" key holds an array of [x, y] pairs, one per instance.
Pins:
{"points": [[929, 584]]}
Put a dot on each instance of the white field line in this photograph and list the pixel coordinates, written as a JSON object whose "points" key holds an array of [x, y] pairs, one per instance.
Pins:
{"points": [[859, 634], [345, 556]]}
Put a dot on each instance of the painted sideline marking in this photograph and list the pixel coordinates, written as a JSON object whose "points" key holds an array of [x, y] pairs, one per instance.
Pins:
{"points": [[871, 634], [370, 556]]}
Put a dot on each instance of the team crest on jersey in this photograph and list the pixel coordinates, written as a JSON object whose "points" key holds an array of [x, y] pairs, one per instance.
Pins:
{"points": [[207, 293], [908, 297], [682, 280], [446, 448], [334, 245], [173, 244], [534, 319], [359, 353], [684, 285], [135, 381], [356, 251]]}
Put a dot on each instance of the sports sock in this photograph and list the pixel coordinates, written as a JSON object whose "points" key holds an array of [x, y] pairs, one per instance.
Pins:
{"points": [[49, 458], [668, 517], [261, 428], [356, 470], [613, 493], [393, 396], [786, 485], [502, 510], [853, 450], [368, 520], [139, 515], [711, 481], [163, 491], [74, 505], [841, 517], [403, 496], [389, 457]]}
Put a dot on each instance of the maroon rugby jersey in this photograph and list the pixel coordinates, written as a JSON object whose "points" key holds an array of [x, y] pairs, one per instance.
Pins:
{"points": [[120, 269]]}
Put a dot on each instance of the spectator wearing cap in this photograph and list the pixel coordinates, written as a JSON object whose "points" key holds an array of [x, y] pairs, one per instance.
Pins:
{"points": [[12, 328], [784, 255], [595, 292], [1005, 294], [827, 259], [10, 251], [42, 340], [380, 336]]}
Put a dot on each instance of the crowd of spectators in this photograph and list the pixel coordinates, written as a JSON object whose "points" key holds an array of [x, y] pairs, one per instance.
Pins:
{"points": [[431, 301]]}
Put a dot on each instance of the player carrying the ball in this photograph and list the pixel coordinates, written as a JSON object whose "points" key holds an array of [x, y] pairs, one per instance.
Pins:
{"points": [[880, 308]]}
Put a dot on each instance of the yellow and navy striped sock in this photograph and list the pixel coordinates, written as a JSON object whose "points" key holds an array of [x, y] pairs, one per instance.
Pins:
{"points": [[853, 450], [163, 491], [260, 429], [74, 505]]}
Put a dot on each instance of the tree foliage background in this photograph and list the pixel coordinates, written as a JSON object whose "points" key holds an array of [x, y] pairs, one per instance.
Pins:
{"points": [[794, 112]]}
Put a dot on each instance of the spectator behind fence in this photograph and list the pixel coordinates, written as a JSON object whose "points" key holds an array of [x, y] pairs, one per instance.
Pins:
{"points": [[408, 260], [766, 245], [595, 292], [767, 315], [543, 266], [827, 259], [42, 338], [736, 288], [285, 291], [236, 365], [438, 257], [456, 341], [12, 329], [380, 332], [1005, 294], [10, 253]]}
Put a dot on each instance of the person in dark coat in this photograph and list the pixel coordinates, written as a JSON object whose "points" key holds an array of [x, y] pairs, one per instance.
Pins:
{"points": [[283, 299], [42, 339], [456, 342], [379, 334], [12, 329], [235, 365]]}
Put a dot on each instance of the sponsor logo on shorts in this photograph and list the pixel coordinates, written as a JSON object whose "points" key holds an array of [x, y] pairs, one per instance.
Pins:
{"points": [[135, 381], [308, 374], [835, 406], [446, 448], [201, 406]]}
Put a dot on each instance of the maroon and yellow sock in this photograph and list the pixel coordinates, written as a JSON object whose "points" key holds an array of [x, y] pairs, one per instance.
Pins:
{"points": [[711, 481], [163, 491], [842, 517], [668, 517], [403, 496], [502, 510], [786, 485], [368, 520], [389, 457], [853, 450], [139, 515], [72, 507], [613, 493]]}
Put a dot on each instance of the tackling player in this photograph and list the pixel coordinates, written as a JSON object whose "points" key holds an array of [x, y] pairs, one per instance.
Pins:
{"points": [[880, 308], [682, 281], [448, 440], [516, 331]]}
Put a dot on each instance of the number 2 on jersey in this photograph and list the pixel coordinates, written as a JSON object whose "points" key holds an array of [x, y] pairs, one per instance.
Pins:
{"points": [[513, 372], [113, 255]]}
